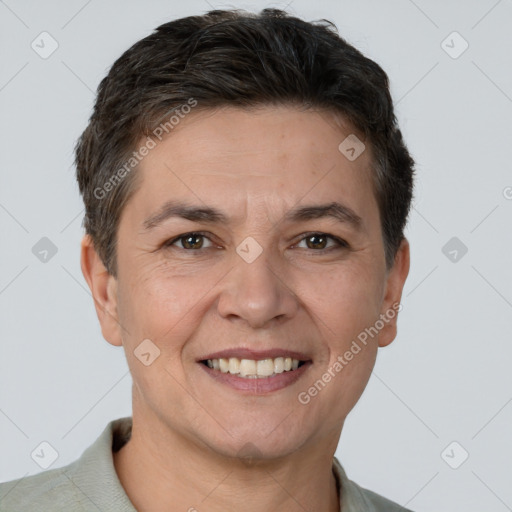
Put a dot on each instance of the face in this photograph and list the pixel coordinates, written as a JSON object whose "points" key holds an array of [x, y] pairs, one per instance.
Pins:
{"points": [[264, 272]]}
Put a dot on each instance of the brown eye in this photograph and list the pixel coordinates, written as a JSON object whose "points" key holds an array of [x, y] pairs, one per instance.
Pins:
{"points": [[189, 241], [318, 242]]}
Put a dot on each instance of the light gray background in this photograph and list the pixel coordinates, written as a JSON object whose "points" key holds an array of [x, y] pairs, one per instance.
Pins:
{"points": [[447, 375]]}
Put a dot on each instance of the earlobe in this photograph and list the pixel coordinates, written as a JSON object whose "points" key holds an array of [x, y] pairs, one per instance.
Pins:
{"points": [[103, 288], [394, 286]]}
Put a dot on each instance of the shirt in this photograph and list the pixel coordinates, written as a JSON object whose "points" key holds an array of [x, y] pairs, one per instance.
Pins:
{"points": [[91, 484]]}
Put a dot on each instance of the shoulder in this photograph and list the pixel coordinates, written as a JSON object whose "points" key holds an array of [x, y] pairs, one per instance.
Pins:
{"points": [[50, 490], [379, 503], [89, 483], [355, 498]]}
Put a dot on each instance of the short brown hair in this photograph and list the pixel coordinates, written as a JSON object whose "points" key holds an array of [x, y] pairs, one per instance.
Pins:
{"points": [[240, 59]]}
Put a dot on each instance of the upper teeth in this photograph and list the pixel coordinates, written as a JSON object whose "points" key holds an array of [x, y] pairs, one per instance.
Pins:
{"points": [[251, 368]]}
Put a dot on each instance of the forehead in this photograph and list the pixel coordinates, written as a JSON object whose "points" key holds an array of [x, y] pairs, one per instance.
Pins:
{"points": [[273, 155]]}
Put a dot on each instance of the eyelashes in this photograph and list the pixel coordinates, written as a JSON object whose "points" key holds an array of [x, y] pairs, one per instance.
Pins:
{"points": [[192, 234], [190, 239]]}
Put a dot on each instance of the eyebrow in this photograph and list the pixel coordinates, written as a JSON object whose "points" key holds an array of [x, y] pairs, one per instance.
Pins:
{"points": [[170, 209]]}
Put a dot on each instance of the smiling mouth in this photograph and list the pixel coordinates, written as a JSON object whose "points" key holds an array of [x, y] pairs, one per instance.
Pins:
{"points": [[252, 368]]}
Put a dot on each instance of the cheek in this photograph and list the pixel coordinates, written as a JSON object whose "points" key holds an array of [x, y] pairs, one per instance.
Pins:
{"points": [[337, 386], [354, 305], [346, 300], [162, 305], [354, 376]]}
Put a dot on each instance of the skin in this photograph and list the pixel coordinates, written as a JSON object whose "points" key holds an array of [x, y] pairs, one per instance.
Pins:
{"points": [[191, 434]]}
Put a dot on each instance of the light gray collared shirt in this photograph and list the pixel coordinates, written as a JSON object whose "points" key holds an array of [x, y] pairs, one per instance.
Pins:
{"points": [[90, 484]]}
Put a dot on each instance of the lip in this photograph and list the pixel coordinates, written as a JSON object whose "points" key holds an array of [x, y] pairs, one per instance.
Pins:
{"points": [[247, 353], [258, 386]]}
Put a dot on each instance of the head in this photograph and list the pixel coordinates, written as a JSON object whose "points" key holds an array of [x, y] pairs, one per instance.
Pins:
{"points": [[233, 127]]}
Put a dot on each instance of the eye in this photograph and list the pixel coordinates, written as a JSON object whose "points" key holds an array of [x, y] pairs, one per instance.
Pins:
{"points": [[190, 241], [318, 242]]}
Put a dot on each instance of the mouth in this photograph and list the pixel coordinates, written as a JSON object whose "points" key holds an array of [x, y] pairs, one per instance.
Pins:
{"points": [[256, 372], [252, 368]]}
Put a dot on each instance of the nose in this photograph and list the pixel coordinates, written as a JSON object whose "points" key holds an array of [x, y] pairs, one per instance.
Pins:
{"points": [[258, 294]]}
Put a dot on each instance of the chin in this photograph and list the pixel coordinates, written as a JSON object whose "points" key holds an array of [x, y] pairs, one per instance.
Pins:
{"points": [[253, 441]]}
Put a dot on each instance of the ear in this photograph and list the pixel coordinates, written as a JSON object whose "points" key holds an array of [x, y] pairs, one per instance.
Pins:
{"points": [[394, 286], [103, 288]]}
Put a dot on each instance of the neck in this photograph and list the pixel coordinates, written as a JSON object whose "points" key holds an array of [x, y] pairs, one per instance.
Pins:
{"points": [[163, 470]]}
